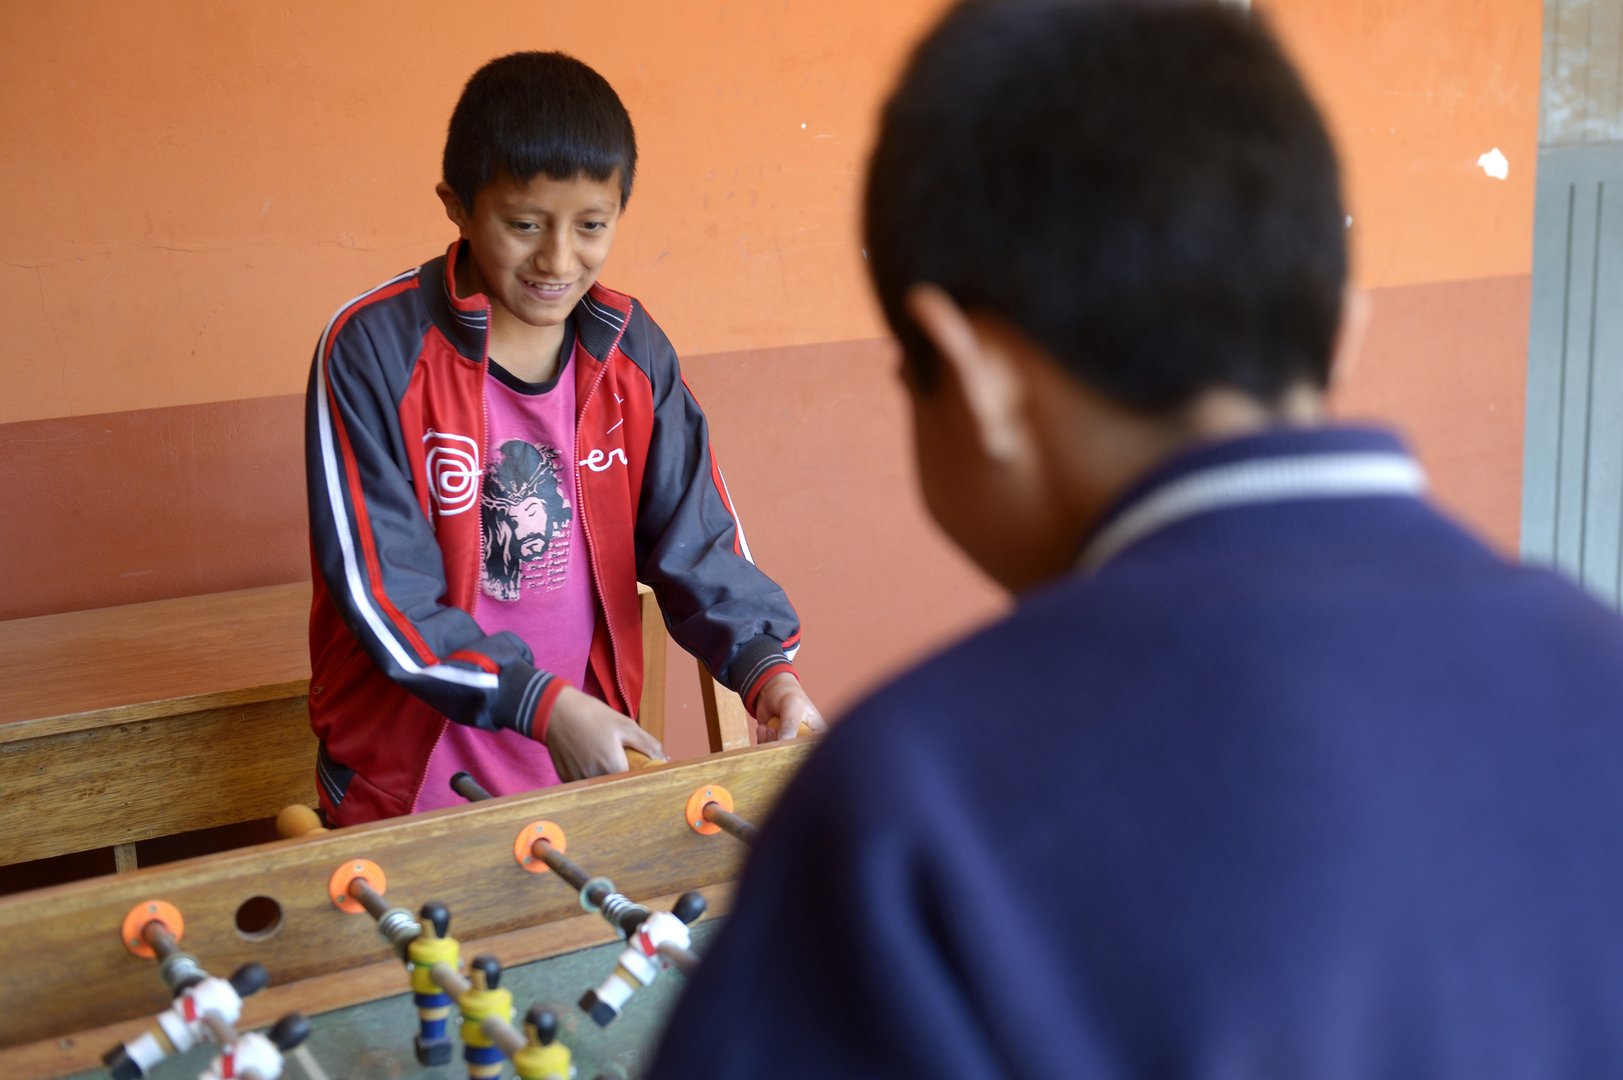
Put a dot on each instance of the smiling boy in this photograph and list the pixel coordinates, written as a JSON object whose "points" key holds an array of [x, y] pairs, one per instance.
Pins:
{"points": [[499, 448]]}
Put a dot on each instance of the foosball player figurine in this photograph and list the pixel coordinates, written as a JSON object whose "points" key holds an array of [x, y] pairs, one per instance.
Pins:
{"points": [[182, 1025], [433, 946], [259, 1055], [641, 961], [544, 1058], [485, 998]]}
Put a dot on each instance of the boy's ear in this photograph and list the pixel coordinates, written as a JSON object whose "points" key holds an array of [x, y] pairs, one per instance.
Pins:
{"points": [[979, 361], [453, 205]]}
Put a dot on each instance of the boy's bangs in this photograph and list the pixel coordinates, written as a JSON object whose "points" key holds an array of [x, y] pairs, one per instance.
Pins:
{"points": [[564, 157]]}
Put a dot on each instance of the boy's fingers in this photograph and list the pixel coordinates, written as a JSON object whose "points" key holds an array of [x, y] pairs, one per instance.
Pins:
{"points": [[814, 723], [778, 731], [799, 718], [638, 739], [615, 761]]}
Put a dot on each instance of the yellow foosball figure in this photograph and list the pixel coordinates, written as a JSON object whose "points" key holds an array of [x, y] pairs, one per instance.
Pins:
{"points": [[433, 946], [544, 1057], [485, 998]]}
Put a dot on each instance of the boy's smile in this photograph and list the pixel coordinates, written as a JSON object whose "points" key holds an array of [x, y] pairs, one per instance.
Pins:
{"points": [[534, 247]]}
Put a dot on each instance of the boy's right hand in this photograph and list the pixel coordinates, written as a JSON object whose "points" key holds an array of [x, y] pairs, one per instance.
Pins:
{"points": [[587, 738]]}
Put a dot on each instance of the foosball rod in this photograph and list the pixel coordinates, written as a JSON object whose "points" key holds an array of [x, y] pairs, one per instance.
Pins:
{"points": [[178, 969], [596, 893], [709, 810], [713, 812], [729, 822], [397, 925], [470, 789], [351, 890], [647, 933], [596, 890]]}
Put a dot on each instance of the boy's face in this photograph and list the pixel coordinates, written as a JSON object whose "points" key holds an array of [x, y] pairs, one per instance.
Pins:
{"points": [[535, 246]]}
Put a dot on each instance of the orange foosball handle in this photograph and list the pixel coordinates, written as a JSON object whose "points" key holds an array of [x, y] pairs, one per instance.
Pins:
{"points": [[297, 820]]}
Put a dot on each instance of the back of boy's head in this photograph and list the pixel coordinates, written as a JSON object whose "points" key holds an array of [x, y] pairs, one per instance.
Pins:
{"points": [[1144, 188], [538, 112]]}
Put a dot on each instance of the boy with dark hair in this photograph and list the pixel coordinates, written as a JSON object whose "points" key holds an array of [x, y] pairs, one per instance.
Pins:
{"points": [[1273, 770], [499, 449]]}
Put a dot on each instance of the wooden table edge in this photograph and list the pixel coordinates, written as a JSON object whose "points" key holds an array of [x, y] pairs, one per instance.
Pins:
{"points": [[23, 728]]}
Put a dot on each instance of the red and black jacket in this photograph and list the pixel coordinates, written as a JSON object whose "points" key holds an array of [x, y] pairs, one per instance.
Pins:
{"points": [[395, 437]]}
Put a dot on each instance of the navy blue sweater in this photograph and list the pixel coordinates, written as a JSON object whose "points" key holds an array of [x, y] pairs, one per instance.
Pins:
{"points": [[1291, 786]]}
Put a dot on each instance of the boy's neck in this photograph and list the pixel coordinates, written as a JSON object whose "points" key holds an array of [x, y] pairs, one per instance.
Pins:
{"points": [[528, 352]]}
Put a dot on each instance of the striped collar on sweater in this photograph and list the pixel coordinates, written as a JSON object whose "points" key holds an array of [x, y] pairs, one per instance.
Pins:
{"points": [[1276, 466]]}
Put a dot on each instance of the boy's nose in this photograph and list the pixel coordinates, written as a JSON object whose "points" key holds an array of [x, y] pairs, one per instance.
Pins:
{"points": [[553, 254]]}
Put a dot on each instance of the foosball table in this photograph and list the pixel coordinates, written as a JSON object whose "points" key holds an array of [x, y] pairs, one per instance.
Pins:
{"points": [[533, 929]]}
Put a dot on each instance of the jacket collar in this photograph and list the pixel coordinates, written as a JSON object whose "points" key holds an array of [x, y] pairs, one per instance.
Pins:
{"points": [[1283, 465], [464, 320], [600, 317]]}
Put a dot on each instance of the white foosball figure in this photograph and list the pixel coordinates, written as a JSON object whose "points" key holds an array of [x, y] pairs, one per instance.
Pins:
{"points": [[258, 1056], [185, 1023], [641, 962]]}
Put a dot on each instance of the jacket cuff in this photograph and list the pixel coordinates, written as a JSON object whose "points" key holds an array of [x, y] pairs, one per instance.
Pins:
{"points": [[541, 719], [753, 695], [525, 703], [760, 658]]}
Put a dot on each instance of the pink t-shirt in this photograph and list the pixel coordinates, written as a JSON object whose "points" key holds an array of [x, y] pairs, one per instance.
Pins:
{"points": [[535, 581]]}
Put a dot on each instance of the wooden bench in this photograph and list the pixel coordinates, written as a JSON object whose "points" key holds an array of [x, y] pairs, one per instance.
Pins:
{"points": [[123, 724], [130, 723]]}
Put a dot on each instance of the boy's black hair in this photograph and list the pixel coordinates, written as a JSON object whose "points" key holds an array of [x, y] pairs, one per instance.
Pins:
{"points": [[538, 112], [1144, 188]]}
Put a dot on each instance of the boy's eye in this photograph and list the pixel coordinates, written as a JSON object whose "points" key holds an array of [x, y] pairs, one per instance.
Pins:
{"points": [[523, 226], [594, 226]]}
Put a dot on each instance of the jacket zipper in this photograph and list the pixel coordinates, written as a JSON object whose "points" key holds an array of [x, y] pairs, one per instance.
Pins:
{"points": [[591, 545], [473, 600]]}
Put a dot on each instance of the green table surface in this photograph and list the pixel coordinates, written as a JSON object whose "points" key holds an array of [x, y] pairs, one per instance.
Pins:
{"points": [[373, 1041]]}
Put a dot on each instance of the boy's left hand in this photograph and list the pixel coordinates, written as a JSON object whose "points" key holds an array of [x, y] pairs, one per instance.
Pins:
{"points": [[782, 707]]}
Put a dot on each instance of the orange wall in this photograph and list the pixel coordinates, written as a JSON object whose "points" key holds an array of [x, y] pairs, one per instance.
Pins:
{"points": [[190, 188], [1416, 92]]}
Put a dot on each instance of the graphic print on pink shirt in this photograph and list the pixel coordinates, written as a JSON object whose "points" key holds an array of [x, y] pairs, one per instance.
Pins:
{"points": [[528, 521]]}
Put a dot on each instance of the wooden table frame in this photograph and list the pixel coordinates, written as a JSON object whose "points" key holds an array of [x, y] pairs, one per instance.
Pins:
{"points": [[74, 977]]}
